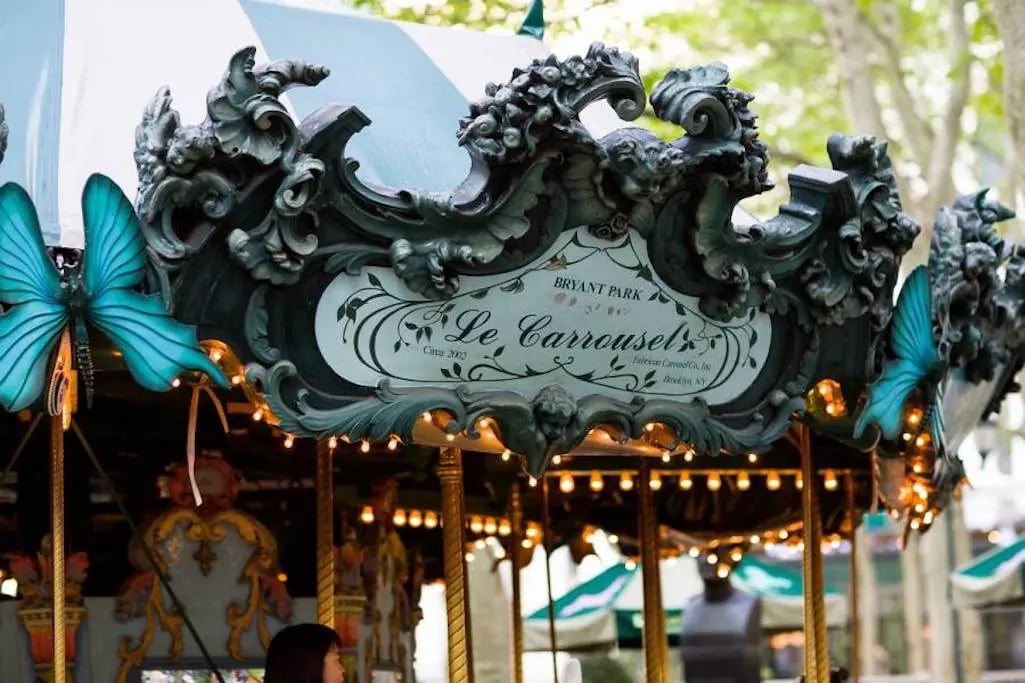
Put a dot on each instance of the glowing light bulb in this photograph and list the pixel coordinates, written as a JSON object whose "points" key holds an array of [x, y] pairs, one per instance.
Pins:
{"points": [[656, 481], [799, 481], [783, 534], [743, 481], [714, 481], [630, 565], [364, 446], [694, 552], [556, 460], [332, 443], [399, 518], [650, 427], [216, 355], [831, 482], [772, 481], [723, 571], [506, 454], [752, 458], [712, 558], [532, 482], [613, 539], [504, 527], [835, 543], [755, 539], [393, 443], [917, 468], [257, 415], [490, 526], [915, 524], [426, 417], [626, 481], [175, 383], [450, 437], [236, 379], [597, 482], [533, 531], [476, 524], [480, 544], [666, 457], [430, 520], [736, 554], [928, 517], [922, 441], [470, 557], [366, 515], [688, 456], [915, 417], [289, 441], [416, 519], [526, 543], [685, 481]]}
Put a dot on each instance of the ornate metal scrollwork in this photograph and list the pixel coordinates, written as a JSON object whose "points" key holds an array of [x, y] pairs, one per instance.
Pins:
{"points": [[205, 167], [828, 260], [4, 131]]}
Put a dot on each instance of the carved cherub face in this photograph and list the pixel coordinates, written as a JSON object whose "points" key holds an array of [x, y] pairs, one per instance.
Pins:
{"points": [[640, 163]]}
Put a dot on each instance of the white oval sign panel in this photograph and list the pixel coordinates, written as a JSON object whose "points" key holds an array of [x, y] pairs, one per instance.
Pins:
{"points": [[590, 315]]}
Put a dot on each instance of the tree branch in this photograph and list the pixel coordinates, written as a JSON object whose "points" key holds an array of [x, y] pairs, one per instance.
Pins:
{"points": [[949, 133], [917, 131]]}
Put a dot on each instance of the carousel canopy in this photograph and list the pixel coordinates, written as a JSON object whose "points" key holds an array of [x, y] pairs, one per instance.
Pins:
{"points": [[995, 577], [86, 71], [609, 606]]}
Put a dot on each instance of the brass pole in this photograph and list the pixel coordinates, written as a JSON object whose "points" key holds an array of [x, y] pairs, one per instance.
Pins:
{"points": [[450, 471], [546, 532], [656, 661], [516, 540], [57, 545], [855, 620], [816, 647], [325, 536]]}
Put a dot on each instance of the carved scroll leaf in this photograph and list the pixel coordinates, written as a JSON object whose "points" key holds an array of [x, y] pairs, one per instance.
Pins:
{"points": [[205, 167], [4, 131]]}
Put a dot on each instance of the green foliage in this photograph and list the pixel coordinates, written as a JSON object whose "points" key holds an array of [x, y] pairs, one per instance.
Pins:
{"points": [[780, 51]]}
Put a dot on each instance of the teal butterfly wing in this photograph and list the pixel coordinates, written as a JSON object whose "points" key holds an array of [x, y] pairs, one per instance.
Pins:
{"points": [[912, 339], [156, 347], [31, 287]]}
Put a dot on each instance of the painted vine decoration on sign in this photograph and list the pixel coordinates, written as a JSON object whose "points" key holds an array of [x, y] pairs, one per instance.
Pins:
{"points": [[538, 180]]}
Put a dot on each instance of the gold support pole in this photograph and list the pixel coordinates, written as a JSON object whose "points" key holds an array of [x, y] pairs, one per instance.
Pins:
{"points": [[450, 471], [57, 545], [656, 661], [546, 531], [855, 619], [516, 513], [816, 646], [325, 536]]}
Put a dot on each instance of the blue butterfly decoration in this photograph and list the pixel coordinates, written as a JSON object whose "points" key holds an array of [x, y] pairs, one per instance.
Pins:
{"points": [[918, 365], [44, 302]]}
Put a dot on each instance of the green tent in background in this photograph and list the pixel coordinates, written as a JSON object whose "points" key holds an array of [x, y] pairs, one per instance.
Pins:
{"points": [[995, 577], [608, 608]]}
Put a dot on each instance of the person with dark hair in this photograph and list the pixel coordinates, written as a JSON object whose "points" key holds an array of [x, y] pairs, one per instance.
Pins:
{"points": [[304, 653]]}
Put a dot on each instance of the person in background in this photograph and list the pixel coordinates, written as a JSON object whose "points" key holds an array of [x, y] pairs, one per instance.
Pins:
{"points": [[304, 653]]}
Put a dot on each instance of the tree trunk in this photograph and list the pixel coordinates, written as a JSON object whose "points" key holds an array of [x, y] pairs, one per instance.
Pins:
{"points": [[914, 626], [935, 554], [868, 604], [492, 637], [1011, 22], [969, 620]]}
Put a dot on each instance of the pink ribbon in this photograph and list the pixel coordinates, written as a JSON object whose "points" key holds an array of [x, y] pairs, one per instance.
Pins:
{"points": [[190, 446]]}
